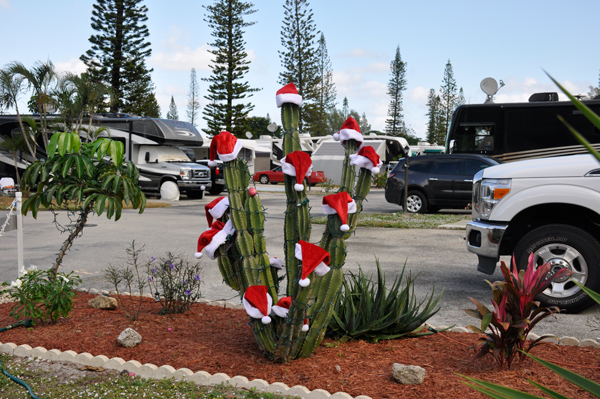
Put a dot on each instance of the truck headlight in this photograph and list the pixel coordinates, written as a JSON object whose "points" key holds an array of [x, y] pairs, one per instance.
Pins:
{"points": [[491, 192], [185, 173]]}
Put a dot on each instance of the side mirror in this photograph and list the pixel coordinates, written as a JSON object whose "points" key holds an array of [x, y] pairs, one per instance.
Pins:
{"points": [[452, 146], [147, 159]]}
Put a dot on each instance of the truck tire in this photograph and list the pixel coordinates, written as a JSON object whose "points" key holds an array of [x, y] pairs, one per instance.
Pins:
{"points": [[216, 189], [195, 194], [169, 191], [416, 203], [569, 247], [264, 179]]}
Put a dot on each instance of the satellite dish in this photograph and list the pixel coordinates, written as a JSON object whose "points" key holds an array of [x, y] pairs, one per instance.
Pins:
{"points": [[272, 127], [249, 135], [489, 86]]}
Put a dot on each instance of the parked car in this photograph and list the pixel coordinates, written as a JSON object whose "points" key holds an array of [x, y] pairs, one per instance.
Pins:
{"points": [[217, 175], [436, 181], [275, 176]]}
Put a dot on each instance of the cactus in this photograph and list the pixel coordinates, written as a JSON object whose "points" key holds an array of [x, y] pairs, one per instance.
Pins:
{"points": [[243, 259]]}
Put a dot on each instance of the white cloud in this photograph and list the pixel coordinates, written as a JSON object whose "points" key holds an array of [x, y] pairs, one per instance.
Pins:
{"points": [[375, 67], [74, 65], [5, 4], [419, 95], [520, 90], [182, 58]]}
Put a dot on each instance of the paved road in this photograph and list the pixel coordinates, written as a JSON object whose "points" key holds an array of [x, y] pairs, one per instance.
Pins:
{"points": [[438, 256]]}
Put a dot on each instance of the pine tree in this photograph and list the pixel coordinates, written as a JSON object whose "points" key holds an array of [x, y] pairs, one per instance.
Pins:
{"points": [[394, 126], [138, 96], [461, 98], [299, 58], [230, 65], [316, 113], [173, 114], [448, 101], [345, 108], [433, 115], [193, 105], [119, 49]]}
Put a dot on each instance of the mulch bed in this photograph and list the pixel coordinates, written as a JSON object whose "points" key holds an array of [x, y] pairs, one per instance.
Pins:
{"points": [[220, 340]]}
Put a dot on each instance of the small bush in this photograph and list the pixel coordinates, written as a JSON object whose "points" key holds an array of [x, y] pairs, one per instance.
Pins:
{"points": [[41, 295], [328, 186], [380, 179], [369, 310], [176, 281]]}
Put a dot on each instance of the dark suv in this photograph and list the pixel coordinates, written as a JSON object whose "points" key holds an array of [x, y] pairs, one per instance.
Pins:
{"points": [[436, 181]]}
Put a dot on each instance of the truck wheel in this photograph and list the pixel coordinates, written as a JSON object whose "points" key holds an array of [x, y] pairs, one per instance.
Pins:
{"points": [[169, 191], [195, 194], [416, 203], [216, 189], [264, 179], [569, 247]]}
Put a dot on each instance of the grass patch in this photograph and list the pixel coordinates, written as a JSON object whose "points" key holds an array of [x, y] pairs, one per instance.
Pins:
{"points": [[6, 201], [402, 220], [109, 385]]}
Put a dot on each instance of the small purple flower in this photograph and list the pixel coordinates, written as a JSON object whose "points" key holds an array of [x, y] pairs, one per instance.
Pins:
{"points": [[153, 270], [172, 266], [152, 258], [188, 292], [197, 278], [149, 278], [183, 282]]}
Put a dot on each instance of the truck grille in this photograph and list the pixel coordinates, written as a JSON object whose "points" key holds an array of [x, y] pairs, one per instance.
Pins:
{"points": [[200, 174]]}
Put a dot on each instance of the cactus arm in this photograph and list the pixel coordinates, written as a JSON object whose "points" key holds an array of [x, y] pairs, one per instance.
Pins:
{"points": [[348, 172], [256, 220], [363, 187]]}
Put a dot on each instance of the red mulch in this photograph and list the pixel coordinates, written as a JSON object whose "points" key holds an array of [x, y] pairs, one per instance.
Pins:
{"points": [[219, 340]]}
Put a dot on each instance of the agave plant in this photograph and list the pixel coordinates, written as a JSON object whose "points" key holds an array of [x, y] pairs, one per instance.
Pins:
{"points": [[515, 312], [369, 310]]}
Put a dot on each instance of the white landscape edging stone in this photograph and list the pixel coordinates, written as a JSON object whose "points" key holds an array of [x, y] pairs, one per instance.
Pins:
{"points": [[149, 370]]}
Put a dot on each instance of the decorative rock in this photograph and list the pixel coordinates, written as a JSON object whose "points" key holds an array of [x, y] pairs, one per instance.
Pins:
{"points": [[22, 350], [113, 293], [408, 375], [320, 394], [363, 397], [258, 384], [67, 356], [217, 303], [81, 289], [38, 351], [298, 390], [131, 366], [459, 330], [52, 354], [115, 363], [200, 378], [229, 305], [532, 336], [571, 341], [165, 371], [129, 338], [278, 387], [83, 358], [583, 343], [94, 291], [8, 348], [238, 381], [103, 302], [203, 300], [218, 378], [182, 373], [104, 292], [550, 338], [340, 395], [147, 370], [98, 361]]}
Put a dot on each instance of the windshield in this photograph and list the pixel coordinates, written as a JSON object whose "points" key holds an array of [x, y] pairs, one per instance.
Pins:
{"points": [[163, 154]]}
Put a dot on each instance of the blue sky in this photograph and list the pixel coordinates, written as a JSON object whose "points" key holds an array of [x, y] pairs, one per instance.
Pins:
{"points": [[508, 40]]}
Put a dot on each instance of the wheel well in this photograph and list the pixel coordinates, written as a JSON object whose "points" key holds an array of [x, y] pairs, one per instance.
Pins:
{"points": [[541, 215], [415, 188], [164, 179]]}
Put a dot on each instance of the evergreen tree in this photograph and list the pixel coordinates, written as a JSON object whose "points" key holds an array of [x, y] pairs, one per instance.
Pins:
{"points": [[394, 126], [173, 114], [316, 113], [118, 52], [230, 65], [448, 102], [138, 95], [461, 98], [299, 58], [193, 105], [433, 115], [345, 108]]}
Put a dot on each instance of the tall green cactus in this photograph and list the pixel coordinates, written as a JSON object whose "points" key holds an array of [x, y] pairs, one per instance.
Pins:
{"points": [[243, 260]]}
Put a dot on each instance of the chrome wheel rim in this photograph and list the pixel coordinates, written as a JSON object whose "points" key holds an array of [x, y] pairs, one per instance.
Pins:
{"points": [[264, 180], [413, 203], [563, 256]]}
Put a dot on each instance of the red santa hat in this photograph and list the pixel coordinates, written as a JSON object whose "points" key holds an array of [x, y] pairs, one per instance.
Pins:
{"points": [[226, 145], [350, 130], [258, 302], [314, 259], [288, 94], [340, 203], [282, 307], [297, 164], [276, 263], [216, 209], [367, 158], [213, 238], [305, 325]]}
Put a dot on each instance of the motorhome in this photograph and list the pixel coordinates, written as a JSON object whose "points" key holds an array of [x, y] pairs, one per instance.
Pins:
{"points": [[518, 131], [151, 144]]}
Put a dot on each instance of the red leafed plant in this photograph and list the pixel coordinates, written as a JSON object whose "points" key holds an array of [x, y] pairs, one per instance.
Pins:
{"points": [[515, 312]]}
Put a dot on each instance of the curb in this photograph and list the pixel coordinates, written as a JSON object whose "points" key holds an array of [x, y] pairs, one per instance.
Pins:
{"points": [[153, 371]]}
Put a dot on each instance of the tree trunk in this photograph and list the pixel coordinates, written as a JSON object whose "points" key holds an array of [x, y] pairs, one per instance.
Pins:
{"points": [[69, 241]]}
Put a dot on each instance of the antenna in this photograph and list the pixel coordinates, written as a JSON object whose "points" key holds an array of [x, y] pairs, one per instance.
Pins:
{"points": [[490, 87]]}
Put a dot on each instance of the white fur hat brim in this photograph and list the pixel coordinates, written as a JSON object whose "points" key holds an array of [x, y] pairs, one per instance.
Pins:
{"points": [[288, 98], [218, 210], [254, 312], [366, 163], [327, 210], [276, 263], [280, 311], [219, 239], [349, 134], [290, 170]]}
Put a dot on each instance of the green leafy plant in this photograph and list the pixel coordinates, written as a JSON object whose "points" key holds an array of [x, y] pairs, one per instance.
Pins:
{"points": [[369, 310], [175, 281], [130, 277], [90, 177], [41, 295], [328, 186], [515, 312], [380, 179]]}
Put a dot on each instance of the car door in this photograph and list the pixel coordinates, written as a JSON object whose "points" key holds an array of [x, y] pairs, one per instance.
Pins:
{"points": [[446, 171], [464, 185], [276, 175]]}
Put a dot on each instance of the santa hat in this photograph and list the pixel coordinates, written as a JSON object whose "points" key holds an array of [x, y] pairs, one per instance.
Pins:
{"points": [[288, 94], [305, 325], [367, 158], [340, 203], [257, 303], [216, 209], [213, 238], [276, 263], [350, 130], [282, 307], [297, 164], [226, 145], [314, 259]]}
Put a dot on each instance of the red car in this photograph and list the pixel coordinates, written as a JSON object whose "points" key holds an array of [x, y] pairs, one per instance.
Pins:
{"points": [[276, 176]]}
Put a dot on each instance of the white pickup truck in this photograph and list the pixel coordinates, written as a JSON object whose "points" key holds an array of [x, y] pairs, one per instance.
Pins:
{"points": [[548, 206]]}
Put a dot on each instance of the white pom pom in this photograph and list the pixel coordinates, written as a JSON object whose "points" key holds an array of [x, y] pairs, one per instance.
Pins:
{"points": [[198, 255], [305, 327], [298, 187], [375, 170], [345, 227], [336, 136], [202, 188], [266, 320], [212, 164], [304, 282]]}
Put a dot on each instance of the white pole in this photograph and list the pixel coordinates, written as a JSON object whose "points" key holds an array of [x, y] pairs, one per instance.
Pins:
{"points": [[20, 266]]}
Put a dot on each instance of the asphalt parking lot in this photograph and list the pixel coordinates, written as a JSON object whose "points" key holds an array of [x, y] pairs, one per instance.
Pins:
{"points": [[438, 256]]}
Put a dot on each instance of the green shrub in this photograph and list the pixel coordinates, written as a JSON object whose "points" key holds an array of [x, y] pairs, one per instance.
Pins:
{"points": [[369, 310], [380, 179]]}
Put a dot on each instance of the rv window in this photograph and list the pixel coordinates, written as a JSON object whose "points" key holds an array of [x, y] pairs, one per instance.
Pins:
{"points": [[475, 138]]}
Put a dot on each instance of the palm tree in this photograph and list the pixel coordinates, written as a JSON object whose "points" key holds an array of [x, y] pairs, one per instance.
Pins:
{"points": [[14, 145], [89, 97]]}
